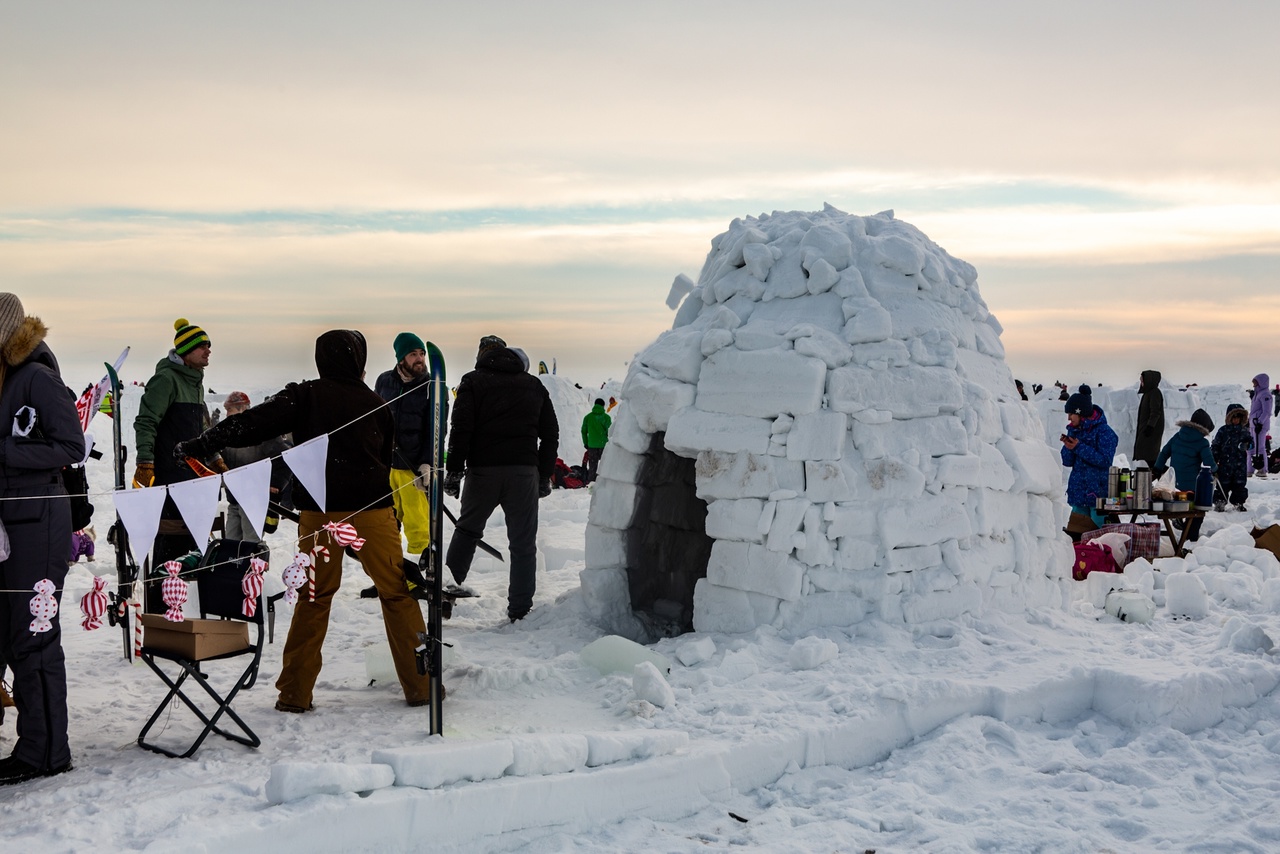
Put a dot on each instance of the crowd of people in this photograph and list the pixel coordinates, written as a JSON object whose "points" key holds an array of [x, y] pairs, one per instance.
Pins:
{"points": [[503, 440], [1238, 451]]}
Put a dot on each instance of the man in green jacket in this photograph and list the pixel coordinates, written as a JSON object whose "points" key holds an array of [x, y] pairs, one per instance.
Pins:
{"points": [[172, 410], [595, 435]]}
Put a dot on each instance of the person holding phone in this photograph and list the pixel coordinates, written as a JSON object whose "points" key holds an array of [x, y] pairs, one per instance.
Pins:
{"points": [[1088, 447]]}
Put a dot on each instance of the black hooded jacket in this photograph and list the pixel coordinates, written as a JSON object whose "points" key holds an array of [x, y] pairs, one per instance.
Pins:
{"points": [[502, 416], [340, 404], [32, 464], [1149, 430]]}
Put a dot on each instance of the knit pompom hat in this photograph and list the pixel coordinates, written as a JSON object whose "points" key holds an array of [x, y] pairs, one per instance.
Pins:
{"points": [[1081, 403], [237, 398], [11, 315], [188, 336], [1201, 420]]}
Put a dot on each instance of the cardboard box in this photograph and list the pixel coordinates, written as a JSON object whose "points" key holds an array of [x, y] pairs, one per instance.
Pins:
{"points": [[194, 639]]}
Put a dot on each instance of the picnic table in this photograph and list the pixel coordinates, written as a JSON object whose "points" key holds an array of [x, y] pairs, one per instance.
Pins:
{"points": [[1177, 537]]}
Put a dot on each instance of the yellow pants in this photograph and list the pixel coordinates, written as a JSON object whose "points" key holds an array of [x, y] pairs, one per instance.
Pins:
{"points": [[382, 561], [413, 510]]}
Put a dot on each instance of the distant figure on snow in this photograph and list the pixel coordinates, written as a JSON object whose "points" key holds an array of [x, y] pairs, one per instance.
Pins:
{"points": [[1187, 450], [595, 435], [1232, 447], [1149, 430], [1260, 422]]}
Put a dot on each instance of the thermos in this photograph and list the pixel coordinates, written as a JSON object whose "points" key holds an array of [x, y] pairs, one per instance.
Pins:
{"points": [[1113, 483], [1204, 489], [1142, 487]]}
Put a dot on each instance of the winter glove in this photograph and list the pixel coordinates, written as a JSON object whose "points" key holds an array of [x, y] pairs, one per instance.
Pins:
{"points": [[1257, 426], [218, 464], [144, 475], [1159, 471], [423, 480], [453, 483], [544, 487]]}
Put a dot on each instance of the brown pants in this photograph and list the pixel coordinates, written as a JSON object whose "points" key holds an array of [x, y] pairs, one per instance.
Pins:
{"points": [[382, 560]]}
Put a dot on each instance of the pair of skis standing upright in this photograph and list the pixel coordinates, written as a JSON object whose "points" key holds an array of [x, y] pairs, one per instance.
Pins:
{"points": [[430, 644]]}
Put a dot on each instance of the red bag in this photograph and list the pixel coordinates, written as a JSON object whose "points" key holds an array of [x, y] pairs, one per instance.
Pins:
{"points": [[1144, 538], [1092, 557]]}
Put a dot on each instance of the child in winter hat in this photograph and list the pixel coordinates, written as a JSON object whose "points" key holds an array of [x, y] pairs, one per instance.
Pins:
{"points": [[188, 336], [1081, 403]]}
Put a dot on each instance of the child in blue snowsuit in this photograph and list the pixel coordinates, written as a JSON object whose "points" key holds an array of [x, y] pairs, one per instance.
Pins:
{"points": [[1232, 445], [1087, 449], [1187, 450]]}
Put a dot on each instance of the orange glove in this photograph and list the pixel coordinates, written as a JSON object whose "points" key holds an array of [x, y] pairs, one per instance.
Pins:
{"points": [[144, 475]]}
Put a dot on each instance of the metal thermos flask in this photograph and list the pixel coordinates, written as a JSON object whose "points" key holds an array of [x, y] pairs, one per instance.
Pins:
{"points": [[1142, 487], [1113, 483]]}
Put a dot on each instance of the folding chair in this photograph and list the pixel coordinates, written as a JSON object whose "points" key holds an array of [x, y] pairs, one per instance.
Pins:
{"points": [[218, 578]]}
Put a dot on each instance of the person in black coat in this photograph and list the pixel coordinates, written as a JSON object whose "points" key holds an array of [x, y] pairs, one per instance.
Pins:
{"points": [[505, 436], [1149, 430], [39, 434]]}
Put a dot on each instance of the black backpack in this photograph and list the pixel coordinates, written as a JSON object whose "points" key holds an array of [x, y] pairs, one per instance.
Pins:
{"points": [[76, 482]]}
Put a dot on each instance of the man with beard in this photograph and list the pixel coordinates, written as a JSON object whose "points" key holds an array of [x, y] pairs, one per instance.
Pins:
{"points": [[407, 389]]}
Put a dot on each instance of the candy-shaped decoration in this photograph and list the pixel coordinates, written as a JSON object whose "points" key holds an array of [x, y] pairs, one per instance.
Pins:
{"points": [[251, 585], [344, 534], [43, 606], [174, 592], [295, 575], [317, 553], [94, 604]]}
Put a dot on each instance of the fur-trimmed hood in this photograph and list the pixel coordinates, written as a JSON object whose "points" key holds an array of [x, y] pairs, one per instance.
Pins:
{"points": [[23, 342], [1199, 421]]}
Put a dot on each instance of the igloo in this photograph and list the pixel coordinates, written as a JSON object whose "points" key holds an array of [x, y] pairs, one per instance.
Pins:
{"points": [[828, 432]]}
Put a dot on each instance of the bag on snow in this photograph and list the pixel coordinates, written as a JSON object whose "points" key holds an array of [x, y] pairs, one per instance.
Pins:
{"points": [[1144, 538], [1092, 557]]}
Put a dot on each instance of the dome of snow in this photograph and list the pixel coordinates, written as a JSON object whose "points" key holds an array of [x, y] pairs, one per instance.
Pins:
{"points": [[828, 432]]}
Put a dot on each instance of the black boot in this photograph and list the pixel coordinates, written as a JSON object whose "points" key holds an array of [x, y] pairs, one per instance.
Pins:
{"points": [[14, 770]]}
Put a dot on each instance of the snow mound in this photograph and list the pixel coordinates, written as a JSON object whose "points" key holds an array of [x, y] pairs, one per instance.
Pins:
{"points": [[860, 448]]}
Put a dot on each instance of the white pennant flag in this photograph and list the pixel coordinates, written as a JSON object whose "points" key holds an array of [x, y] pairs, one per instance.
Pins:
{"points": [[139, 510], [251, 487], [307, 462], [197, 501]]}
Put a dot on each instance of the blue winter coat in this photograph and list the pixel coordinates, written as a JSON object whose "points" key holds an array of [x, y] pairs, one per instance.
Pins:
{"points": [[1090, 461], [1187, 449]]}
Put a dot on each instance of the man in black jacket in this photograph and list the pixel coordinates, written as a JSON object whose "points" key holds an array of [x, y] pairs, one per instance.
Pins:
{"points": [[407, 388], [1149, 429], [39, 434], [504, 434]]}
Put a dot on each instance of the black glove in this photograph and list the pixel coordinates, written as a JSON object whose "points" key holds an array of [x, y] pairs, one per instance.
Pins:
{"points": [[1159, 471], [453, 483], [182, 450], [1257, 425], [544, 487]]}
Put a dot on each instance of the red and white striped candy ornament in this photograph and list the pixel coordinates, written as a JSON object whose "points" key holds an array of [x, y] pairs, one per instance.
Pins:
{"points": [[94, 604], [251, 585], [43, 606], [316, 553], [294, 576], [174, 592], [344, 534]]}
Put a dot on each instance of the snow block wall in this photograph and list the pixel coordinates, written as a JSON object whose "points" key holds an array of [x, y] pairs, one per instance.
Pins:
{"points": [[858, 438]]}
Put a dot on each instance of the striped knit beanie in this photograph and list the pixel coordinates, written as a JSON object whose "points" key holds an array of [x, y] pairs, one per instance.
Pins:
{"points": [[188, 336]]}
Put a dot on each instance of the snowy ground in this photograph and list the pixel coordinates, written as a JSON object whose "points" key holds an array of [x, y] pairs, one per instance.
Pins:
{"points": [[1062, 730]]}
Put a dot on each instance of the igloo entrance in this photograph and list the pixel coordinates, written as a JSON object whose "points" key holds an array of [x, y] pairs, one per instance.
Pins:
{"points": [[667, 545]]}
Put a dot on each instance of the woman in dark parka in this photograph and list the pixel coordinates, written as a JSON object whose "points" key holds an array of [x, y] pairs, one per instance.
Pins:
{"points": [[1149, 429]]}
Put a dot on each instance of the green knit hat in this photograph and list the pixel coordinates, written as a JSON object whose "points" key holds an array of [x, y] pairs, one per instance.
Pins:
{"points": [[188, 336], [406, 343]]}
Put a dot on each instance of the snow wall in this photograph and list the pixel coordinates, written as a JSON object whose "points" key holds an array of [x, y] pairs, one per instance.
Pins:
{"points": [[830, 428]]}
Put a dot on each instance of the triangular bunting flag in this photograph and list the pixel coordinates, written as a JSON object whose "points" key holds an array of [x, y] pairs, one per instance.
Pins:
{"points": [[307, 462], [139, 510], [251, 487], [197, 501]]}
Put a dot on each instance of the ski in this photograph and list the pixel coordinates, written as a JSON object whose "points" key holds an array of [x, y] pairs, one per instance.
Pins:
{"points": [[126, 569], [435, 554]]}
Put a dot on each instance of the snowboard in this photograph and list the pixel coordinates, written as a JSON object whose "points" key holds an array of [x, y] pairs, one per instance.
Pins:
{"points": [[126, 569]]}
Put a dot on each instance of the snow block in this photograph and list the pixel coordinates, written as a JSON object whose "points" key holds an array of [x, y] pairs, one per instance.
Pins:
{"points": [[290, 781], [653, 400], [942, 435], [735, 520], [553, 753], [648, 685], [810, 653], [736, 475], [677, 355], [691, 430], [617, 463], [697, 651], [761, 384], [1035, 467], [1185, 596], [930, 521], [613, 503], [441, 763], [608, 748], [753, 568], [724, 609], [912, 391], [606, 596], [818, 436]]}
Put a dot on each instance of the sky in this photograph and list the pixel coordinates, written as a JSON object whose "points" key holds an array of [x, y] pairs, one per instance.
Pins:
{"points": [[543, 171]]}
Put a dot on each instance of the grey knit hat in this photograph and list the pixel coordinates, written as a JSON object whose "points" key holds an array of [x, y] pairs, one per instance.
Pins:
{"points": [[11, 315]]}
